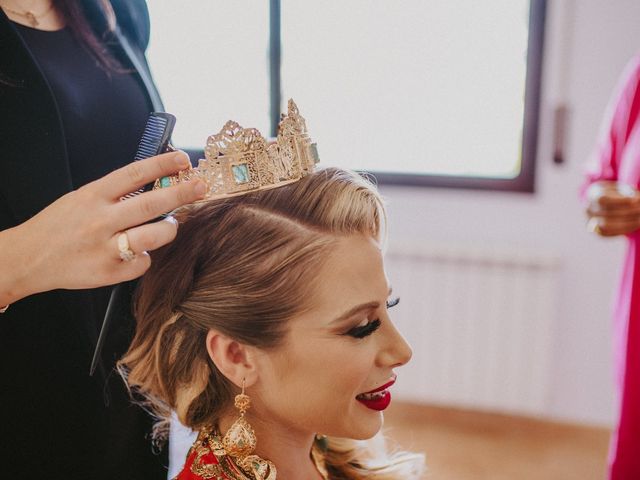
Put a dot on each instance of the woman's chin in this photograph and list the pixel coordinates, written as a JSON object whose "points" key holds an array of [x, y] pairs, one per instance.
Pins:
{"points": [[363, 426], [368, 427]]}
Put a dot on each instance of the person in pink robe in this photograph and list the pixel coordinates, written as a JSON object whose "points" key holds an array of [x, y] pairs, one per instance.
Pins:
{"points": [[613, 208]]}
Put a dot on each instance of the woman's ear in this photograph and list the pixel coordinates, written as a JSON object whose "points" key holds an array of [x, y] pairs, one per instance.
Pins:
{"points": [[234, 359]]}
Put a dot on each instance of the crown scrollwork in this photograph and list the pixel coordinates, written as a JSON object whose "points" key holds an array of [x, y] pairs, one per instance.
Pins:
{"points": [[240, 160]]}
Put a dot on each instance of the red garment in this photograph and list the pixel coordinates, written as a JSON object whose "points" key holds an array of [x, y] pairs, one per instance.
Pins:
{"points": [[617, 158], [206, 461]]}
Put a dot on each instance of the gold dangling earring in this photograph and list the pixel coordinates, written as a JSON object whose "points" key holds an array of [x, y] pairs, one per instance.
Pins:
{"points": [[240, 440]]}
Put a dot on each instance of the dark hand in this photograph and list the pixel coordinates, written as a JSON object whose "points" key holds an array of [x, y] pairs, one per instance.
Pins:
{"points": [[614, 208]]}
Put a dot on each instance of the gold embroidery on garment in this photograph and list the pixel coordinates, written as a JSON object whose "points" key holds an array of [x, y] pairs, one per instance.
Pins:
{"points": [[251, 467], [205, 470], [206, 443], [239, 471]]}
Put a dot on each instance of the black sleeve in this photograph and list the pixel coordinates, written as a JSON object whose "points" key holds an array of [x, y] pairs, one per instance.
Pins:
{"points": [[132, 16]]}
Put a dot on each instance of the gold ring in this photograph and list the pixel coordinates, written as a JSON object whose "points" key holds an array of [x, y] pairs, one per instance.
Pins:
{"points": [[594, 226], [126, 254]]}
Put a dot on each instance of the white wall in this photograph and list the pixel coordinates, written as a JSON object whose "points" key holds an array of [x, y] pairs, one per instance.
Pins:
{"points": [[587, 44]]}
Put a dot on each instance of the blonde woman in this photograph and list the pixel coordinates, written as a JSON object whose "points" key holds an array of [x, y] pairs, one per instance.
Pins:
{"points": [[265, 326]]}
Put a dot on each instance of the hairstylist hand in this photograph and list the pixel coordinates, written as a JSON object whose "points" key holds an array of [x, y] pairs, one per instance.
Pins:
{"points": [[613, 209], [73, 243]]}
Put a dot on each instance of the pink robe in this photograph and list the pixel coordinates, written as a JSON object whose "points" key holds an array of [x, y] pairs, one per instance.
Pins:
{"points": [[617, 157]]}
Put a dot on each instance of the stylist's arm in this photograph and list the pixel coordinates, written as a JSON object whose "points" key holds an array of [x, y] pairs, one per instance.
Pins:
{"points": [[72, 243]]}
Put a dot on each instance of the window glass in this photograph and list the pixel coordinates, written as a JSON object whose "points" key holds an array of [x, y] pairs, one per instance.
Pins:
{"points": [[432, 87], [209, 60], [413, 89]]}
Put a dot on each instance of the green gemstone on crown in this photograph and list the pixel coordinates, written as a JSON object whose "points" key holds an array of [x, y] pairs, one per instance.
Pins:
{"points": [[240, 173], [165, 182]]}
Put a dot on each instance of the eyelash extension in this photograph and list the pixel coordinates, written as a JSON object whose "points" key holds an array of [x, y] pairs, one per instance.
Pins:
{"points": [[393, 302], [365, 330], [372, 326]]}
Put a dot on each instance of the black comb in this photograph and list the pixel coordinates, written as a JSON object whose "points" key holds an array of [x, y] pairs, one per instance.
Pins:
{"points": [[155, 140], [156, 135]]}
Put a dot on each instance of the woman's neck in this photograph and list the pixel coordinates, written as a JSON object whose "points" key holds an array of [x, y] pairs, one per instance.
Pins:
{"points": [[289, 450], [39, 14]]}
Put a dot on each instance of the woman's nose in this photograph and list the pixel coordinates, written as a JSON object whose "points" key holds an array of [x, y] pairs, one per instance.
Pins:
{"points": [[397, 351]]}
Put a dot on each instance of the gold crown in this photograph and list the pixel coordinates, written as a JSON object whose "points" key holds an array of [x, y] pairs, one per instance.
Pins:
{"points": [[239, 160]]}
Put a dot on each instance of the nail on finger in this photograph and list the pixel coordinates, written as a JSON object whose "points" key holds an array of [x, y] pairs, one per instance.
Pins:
{"points": [[199, 188], [182, 160], [171, 219]]}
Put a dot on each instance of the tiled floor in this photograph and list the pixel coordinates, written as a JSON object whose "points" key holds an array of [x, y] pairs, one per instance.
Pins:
{"points": [[465, 445]]}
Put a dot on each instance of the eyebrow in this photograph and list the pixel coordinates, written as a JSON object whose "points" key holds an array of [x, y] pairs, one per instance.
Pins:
{"points": [[359, 308]]}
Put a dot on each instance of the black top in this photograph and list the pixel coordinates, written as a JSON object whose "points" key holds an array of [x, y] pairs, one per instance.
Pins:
{"points": [[59, 128], [103, 113]]}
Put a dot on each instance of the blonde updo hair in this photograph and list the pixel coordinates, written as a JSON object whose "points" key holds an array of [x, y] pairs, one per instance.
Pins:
{"points": [[244, 266]]}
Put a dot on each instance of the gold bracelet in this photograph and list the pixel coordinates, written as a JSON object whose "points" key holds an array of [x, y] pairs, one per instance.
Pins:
{"points": [[4, 309]]}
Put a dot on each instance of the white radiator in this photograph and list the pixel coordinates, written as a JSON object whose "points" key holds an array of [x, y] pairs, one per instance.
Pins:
{"points": [[480, 323]]}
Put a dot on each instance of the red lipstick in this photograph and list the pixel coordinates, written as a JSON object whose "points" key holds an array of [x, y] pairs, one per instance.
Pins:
{"points": [[377, 399]]}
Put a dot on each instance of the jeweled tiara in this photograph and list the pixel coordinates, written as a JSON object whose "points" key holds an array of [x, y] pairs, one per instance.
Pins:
{"points": [[239, 160]]}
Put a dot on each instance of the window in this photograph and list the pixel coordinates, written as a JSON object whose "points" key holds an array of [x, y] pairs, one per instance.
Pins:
{"points": [[441, 93]]}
